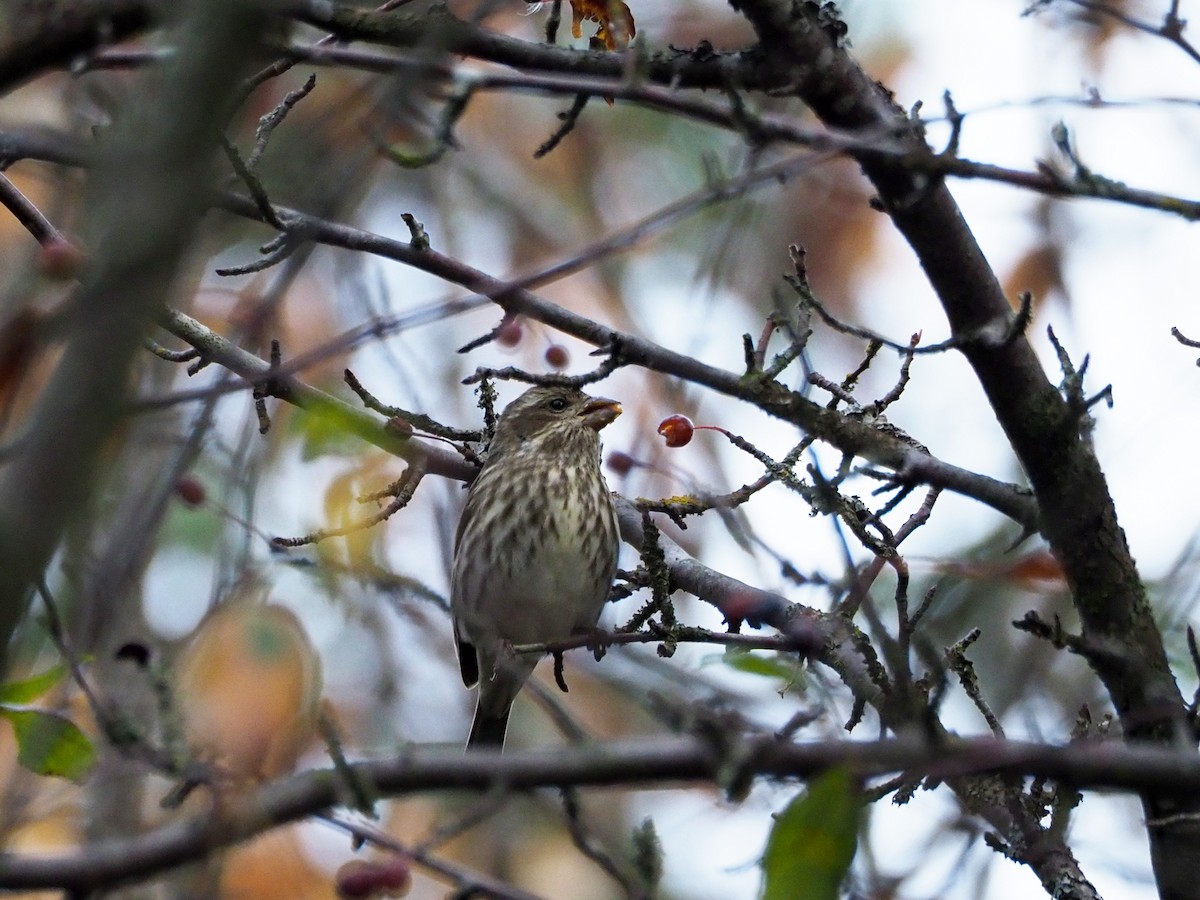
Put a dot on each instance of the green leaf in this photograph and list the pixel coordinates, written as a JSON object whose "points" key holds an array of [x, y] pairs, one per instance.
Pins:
{"points": [[812, 843], [753, 664], [324, 435], [781, 668], [29, 689], [50, 744]]}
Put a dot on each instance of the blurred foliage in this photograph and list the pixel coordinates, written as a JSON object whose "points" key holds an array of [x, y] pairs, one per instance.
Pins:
{"points": [[813, 841], [48, 743], [781, 667], [248, 689]]}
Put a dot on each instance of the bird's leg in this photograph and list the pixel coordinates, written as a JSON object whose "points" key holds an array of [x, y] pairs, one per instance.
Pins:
{"points": [[559, 678]]}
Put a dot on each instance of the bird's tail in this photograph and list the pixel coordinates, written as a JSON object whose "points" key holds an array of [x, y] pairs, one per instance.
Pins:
{"points": [[488, 728]]}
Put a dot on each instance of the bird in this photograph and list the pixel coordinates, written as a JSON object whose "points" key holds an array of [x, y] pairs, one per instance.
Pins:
{"points": [[536, 547]]}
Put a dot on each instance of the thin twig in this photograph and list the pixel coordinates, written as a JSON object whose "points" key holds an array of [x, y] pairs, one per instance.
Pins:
{"points": [[27, 213]]}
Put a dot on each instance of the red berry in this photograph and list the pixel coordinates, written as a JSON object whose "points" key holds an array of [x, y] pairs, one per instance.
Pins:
{"points": [[509, 331], [557, 356], [677, 430], [190, 490], [59, 259], [364, 878], [354, 882], [620, 463]]}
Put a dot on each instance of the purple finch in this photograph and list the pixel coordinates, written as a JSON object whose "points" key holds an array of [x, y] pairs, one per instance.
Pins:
{"points": [[536, 547]]}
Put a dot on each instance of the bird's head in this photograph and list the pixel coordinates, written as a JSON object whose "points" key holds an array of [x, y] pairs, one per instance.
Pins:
{"points": [[548, 414]]}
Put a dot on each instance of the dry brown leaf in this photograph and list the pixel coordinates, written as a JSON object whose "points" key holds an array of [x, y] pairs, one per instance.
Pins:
{"points": [[613, 17]]}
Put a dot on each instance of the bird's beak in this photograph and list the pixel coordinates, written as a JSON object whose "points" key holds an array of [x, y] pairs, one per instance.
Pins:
{"points": [[600, 411]]}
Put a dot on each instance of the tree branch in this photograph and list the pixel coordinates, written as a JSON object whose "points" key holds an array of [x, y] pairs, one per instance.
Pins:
{"points": [[657, 761], [256, 370], [435, 28], [49, 35]]}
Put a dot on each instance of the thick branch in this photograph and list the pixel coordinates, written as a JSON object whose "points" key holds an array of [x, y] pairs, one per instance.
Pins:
{"points": [[673, 760]]}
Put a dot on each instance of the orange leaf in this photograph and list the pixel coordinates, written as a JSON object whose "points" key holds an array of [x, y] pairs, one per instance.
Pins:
{"points": [[613, 18], [248, 688], [1039, 567]]}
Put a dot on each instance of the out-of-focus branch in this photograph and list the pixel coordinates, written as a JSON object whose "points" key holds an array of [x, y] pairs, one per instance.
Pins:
{"points": [[764, 128], [759, 128], [1171, 29], [154, 174], [677, 760], [435, 28], [45, 35]]}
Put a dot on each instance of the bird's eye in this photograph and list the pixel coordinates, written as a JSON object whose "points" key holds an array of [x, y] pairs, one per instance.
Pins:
{"points": [[558, 404]]}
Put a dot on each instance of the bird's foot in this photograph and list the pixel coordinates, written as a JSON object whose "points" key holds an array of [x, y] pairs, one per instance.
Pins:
{"points": [[597, 641]]}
